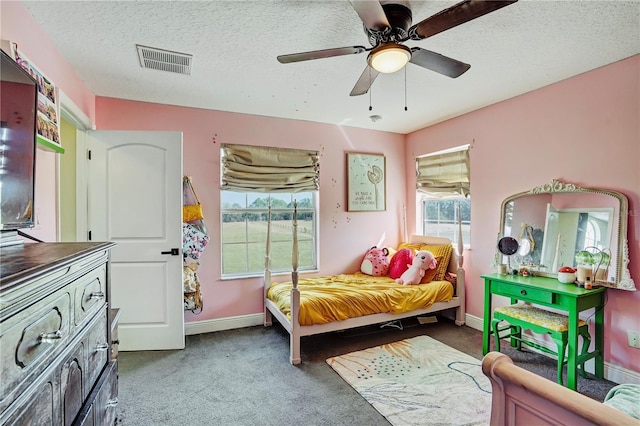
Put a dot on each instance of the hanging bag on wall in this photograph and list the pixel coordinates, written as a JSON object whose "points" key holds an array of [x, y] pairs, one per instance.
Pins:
{"points": [[194, 240], [191, 212], [192, 296]]}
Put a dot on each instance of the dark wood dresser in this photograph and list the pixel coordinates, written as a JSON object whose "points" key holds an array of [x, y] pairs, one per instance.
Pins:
{"points": [[57, 360]]}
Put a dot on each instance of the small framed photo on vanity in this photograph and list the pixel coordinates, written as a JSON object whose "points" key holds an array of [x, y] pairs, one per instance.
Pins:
{"points": [[366, 182]]}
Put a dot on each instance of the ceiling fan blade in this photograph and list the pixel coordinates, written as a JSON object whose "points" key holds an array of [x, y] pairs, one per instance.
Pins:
{"points": [[364, 82], [439, 63], [319, 54], [457, 14], [371, 14]]}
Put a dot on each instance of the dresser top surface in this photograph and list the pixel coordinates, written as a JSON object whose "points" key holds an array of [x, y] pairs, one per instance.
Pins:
{"points": [[31, 258]]}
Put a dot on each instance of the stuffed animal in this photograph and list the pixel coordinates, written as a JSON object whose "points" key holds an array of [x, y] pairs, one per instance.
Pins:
{"points": [[375, 262], [422, 261], [400, 262]]}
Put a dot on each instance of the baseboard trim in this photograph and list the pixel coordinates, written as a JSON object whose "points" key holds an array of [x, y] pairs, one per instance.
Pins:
{"points": [[618, 374], [613, 373], [220, 324], [473, 322]]}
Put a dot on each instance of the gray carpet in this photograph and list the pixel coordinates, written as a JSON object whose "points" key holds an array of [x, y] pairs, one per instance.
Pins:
{"points": [[243, 377]]}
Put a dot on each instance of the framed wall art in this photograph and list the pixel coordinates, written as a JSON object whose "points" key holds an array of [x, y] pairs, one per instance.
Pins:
{"points": [[366, 182]]}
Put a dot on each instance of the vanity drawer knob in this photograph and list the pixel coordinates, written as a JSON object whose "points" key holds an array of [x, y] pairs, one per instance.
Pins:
{"points": [[523, 292]]}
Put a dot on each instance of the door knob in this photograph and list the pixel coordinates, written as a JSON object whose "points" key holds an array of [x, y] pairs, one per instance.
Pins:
{"points": [[172, 252]]}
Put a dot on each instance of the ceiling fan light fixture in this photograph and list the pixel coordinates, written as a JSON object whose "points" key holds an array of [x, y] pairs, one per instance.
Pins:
{"points": [[389, 57]]}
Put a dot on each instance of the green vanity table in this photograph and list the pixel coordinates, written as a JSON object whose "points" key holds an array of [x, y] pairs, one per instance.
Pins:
{"points": [[550, 292]]}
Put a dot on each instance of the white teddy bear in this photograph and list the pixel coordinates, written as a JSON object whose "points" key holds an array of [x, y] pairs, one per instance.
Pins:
{"points": [[422, 261]]}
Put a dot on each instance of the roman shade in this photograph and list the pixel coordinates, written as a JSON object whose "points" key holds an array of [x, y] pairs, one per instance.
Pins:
{"points": [[444, 174], [247, 168]]}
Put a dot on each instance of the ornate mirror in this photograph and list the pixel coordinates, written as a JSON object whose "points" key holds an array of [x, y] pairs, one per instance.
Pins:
{"points": [[558, 222]]}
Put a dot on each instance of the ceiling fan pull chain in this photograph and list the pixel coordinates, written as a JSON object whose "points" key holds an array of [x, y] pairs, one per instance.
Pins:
{"points": [[405, 88], [370, 90]]}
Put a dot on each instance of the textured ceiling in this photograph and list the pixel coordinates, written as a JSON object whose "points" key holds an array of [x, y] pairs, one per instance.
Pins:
{"points": [[519, 48]]}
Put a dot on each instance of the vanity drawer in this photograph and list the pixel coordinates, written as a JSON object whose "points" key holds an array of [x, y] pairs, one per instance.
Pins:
{"points": [[90, 293], [525, 293], [30, 340]]}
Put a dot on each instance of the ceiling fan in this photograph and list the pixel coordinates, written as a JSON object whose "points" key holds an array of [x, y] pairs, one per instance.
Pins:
{"points": [[388, 26]]}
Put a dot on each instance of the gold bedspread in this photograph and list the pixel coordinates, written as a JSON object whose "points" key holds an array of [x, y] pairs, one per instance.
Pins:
{"points": [[339, 297]]}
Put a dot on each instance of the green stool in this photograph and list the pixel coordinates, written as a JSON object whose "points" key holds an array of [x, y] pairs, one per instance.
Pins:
{"points": [[526, 317]]}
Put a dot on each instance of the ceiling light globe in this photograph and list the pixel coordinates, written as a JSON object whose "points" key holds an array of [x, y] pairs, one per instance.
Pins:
{"points": [[389, 58]]}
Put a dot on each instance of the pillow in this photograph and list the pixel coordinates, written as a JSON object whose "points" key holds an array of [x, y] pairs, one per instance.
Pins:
{"points": [[375, 262], [400, 262], [414, 247], [440, 250], [430, 273]]}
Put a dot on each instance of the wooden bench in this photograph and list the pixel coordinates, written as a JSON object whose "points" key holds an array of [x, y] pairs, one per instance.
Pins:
{"points": [[526, 317]]}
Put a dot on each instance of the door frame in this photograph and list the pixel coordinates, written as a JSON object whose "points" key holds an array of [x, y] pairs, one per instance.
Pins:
{"points": [[74, 115]]}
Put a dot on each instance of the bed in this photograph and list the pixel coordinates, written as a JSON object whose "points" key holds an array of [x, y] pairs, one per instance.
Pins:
{"points": [[520, 397], [294, 312]]}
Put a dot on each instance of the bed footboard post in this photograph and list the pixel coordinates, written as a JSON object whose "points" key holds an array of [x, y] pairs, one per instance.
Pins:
{"points": [[294, 334], [461, 312], [267, 321], [460, 284]]}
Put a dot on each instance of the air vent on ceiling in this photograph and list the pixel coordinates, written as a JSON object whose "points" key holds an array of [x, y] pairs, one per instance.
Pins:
{"points": [[164, 60]]}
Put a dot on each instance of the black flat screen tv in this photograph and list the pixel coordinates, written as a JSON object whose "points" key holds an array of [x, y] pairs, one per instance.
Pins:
{"points": [[18, 108]]}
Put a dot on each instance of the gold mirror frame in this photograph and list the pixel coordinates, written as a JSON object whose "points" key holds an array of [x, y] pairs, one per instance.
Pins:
{"points": [[623, 276]]}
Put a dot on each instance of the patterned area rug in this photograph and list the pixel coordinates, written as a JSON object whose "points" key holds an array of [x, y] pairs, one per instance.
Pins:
{"points": [[419, 381]]}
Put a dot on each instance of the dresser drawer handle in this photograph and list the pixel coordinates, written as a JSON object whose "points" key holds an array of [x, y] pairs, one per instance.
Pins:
{"points": [[523, 292], [112, 402], [97, 295], [102, 347], [50, 337]]}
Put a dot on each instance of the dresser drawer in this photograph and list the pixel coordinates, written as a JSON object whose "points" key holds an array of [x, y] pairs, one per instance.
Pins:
{"points": [[30, 340], [525, 293], [97, 348], [89, 294], [40, 408], [102, 404]]}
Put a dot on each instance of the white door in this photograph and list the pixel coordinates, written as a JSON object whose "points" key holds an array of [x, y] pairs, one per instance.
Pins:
{"points": [[135, 201]]}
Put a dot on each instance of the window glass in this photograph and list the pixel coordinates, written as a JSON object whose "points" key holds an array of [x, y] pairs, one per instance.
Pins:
{"points": [[440, 218], [244, 232]]}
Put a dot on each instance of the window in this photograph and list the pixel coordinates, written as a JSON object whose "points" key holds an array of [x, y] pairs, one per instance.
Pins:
{"points": [[252, 179], [440, 218], [443, 193], [244, 232]]}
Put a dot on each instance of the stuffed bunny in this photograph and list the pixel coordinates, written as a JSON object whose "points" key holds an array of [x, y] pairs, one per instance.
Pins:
{"points": [[422, 261]]}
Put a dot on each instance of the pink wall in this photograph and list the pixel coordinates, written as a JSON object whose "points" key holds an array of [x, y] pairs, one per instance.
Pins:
{"points": [[583, 130], [344, 236]]}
